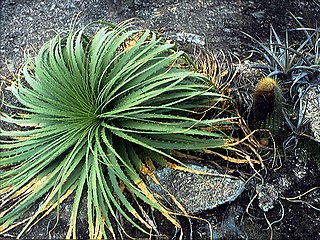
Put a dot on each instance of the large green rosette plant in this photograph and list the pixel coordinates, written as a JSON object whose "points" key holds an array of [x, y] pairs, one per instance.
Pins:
{"points": [[99, 105]]}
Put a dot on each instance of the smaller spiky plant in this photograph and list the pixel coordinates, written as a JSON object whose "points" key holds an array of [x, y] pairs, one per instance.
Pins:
{"points": [[283, 60], [295, 67], [267, 105]]}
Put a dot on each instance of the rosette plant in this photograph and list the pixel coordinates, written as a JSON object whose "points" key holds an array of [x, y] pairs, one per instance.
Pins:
{"points": [[100, 106]]}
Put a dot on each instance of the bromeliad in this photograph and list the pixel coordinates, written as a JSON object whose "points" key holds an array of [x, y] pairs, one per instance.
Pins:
{"points": [[98, 104]]}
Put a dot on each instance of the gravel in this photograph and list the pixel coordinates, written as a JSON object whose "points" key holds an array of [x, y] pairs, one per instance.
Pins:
{"points": [[26, 25]]}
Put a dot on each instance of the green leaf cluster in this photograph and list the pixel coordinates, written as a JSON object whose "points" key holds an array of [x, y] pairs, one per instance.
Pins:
{"points": [[99, 105]]}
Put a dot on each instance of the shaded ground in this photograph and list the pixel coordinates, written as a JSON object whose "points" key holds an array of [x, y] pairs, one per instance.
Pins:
{"points": [[216, 25]]}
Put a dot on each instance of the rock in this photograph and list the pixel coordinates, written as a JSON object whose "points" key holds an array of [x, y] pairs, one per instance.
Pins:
{"points": [[228, 228], [197, 192], [191, 38], [259, 14], [312, 114], [267, 194]]}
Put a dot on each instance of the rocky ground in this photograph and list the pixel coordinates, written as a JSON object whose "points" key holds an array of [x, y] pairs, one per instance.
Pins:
{"points": [[212, 24]]}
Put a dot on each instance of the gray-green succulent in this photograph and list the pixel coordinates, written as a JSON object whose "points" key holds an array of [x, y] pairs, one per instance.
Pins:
{"points": [[99, 105]]}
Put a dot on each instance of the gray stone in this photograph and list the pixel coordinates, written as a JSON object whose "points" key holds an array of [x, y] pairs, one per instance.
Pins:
{"points": [[191, 38], [267, 195], [312, 111], [196, 192], [259, 14]]}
